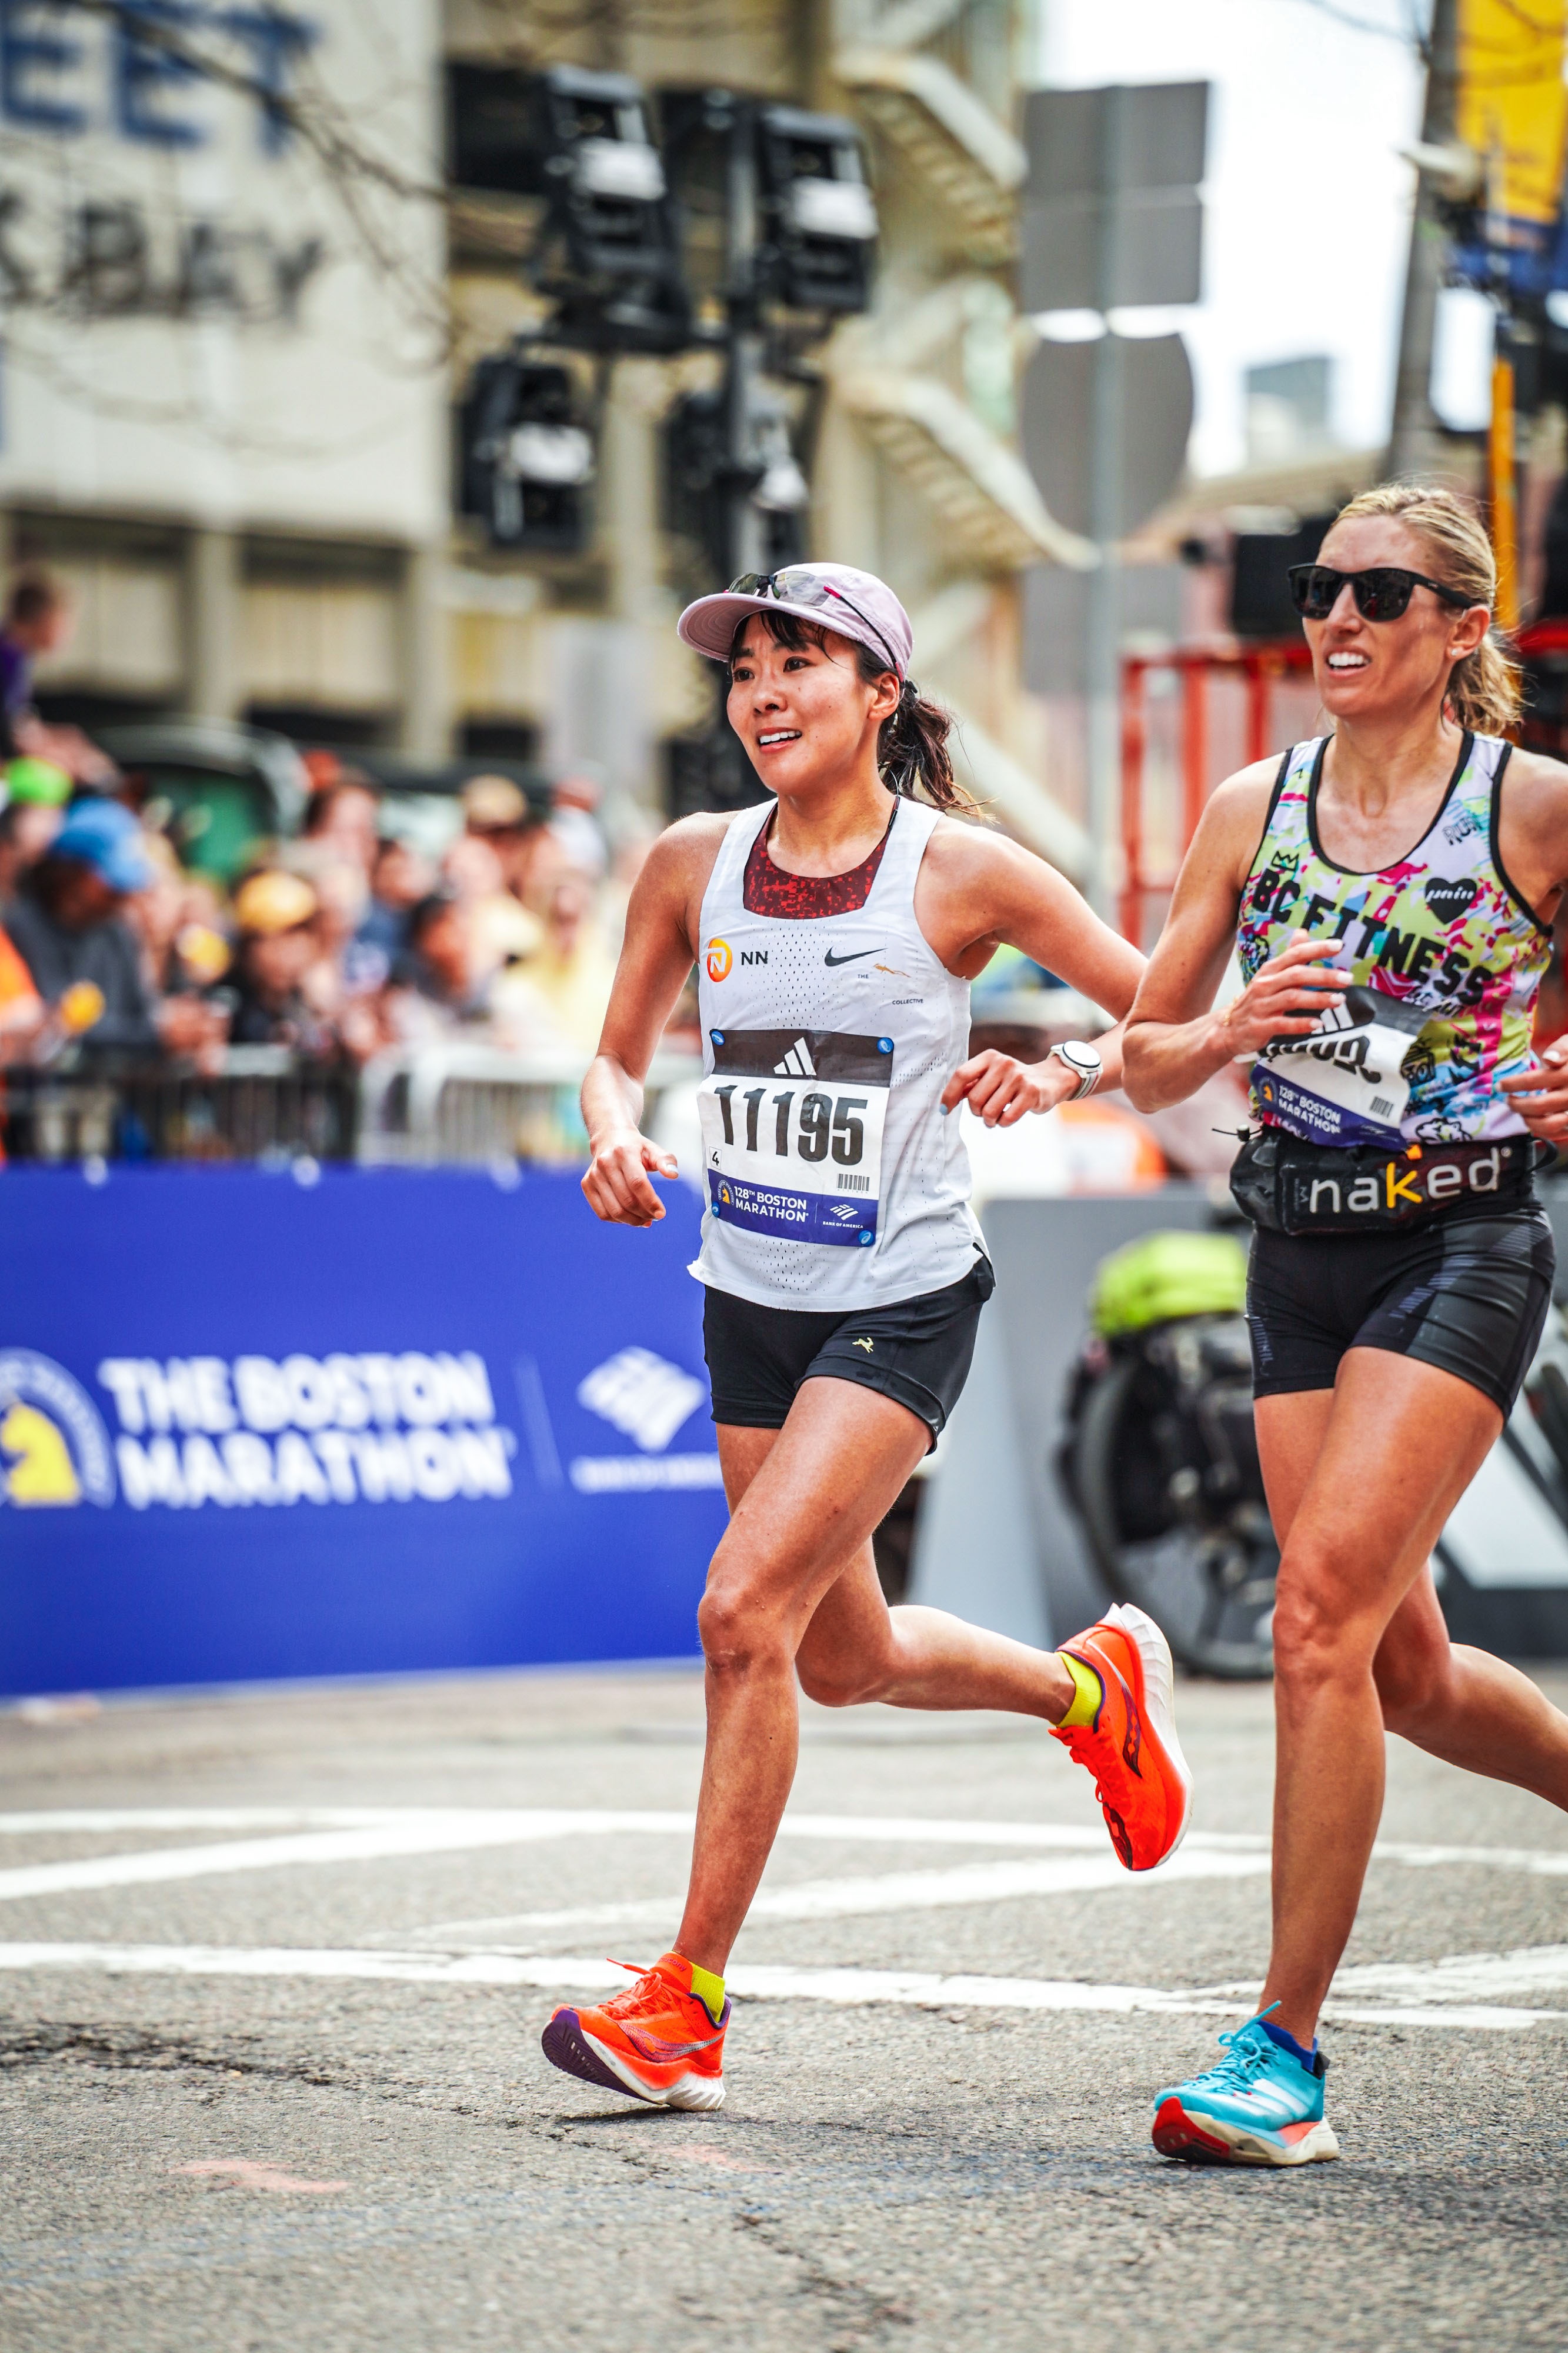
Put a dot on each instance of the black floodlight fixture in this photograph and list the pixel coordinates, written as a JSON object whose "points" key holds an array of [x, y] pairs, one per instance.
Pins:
{"points": [[526, 461], [704, 479], [820, 215], [610, 255]]}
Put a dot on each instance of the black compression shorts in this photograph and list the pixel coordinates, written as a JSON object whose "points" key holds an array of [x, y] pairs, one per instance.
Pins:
{"points": [[916, 1351], [1468, 1295]]}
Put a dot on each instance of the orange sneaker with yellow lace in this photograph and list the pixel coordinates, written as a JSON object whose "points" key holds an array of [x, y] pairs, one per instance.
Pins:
{"points": [[656, 2042], [1141, 1777]]}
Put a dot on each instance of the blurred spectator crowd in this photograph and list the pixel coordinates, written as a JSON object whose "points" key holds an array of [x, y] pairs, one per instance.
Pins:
{"points": [[340, 943]]}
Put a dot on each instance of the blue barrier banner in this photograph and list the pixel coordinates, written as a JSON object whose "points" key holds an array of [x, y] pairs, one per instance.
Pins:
{"points": [[384, 1421]]}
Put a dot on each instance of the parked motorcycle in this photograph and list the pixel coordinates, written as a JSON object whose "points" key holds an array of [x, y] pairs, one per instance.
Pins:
{"points": [[1159, 1460]]}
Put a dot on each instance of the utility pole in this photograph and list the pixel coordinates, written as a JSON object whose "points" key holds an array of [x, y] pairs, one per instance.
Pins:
{"points": [[1112, 221], [1415, 444], [742, 345], [1103, 616], [1502, 494]]}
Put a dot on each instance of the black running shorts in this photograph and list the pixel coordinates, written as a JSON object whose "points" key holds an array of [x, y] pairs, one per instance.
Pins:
{"points": [[916, 1352], [1468, 1295]]}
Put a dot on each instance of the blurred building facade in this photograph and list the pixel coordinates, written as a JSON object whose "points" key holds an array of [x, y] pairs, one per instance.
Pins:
{"points": [[228, 397], [224, 416], [912, 453]]}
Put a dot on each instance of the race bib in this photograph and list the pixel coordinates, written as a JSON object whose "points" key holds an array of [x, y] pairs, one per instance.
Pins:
{"points": [[1344, 1083], [792, 1133]]}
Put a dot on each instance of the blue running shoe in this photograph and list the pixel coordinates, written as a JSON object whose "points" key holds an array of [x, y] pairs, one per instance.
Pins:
{"points": [[1258, 2106]]}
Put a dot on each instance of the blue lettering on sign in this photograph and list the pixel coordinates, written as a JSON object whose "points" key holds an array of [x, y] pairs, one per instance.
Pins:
{"points": [[146, 68], [275, 41], [801, 1217], [149, 60], [27, 52]]}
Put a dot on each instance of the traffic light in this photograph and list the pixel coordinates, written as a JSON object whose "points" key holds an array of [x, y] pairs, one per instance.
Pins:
{"points": [[526, 462], [819, 215]]}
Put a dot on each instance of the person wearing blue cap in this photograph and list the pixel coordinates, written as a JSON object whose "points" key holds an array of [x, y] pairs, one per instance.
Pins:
{"points": [[69, 927]]}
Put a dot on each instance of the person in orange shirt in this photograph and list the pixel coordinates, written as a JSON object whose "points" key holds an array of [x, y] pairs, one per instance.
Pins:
{"points": [[21, 1007]]}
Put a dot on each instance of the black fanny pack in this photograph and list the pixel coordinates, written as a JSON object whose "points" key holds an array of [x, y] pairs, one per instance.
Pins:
{"points": [[1290, 1187]]}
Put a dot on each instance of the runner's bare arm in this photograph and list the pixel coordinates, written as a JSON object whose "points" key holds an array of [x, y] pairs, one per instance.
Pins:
{"points": [[1532, 840], [657, 953], [1175, 1039], [979, 891]]}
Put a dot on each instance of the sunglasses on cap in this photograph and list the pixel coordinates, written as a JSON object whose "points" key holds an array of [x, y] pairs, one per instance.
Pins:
{"points": [[1382, 594], [806, 588]]}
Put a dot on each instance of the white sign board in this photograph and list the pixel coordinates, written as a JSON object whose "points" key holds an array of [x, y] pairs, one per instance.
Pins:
{"points": [[209, 315]]}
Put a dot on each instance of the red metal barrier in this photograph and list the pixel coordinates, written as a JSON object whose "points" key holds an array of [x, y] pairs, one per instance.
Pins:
{"points": [[1260, 667]]}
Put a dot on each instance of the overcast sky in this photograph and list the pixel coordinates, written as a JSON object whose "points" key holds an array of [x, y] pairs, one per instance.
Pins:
{"points": [[1307, 218]]}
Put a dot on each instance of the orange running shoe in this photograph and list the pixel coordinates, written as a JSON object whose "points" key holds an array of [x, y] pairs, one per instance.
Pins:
{"points": [[1141, 1777], [656, 2042]]}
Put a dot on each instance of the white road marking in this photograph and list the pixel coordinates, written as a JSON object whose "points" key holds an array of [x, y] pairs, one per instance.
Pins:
{"points": [[1548, 1862], [900, 1829], [403, 1834], [363, 1834], [897, 1890], [845, 1987], [109, 1819], [1462, 1977]]}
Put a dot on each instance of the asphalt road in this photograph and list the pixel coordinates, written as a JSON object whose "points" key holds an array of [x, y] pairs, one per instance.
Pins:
{"points": [[273, 1968]]}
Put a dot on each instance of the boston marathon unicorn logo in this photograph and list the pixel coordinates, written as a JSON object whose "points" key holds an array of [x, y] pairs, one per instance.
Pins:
{"points": [[53, 1449]]}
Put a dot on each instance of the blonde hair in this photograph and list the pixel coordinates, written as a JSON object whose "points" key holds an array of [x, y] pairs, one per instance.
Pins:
{"points": [[1484, 688]]}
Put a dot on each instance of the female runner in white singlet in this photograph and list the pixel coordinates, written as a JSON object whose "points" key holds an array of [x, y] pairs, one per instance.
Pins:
{"points": [[835, 930], [1388, 890]]}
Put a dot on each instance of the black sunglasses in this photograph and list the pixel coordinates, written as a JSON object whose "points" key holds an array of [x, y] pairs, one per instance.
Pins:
{"points": [[1382, 594], [806, 588]]}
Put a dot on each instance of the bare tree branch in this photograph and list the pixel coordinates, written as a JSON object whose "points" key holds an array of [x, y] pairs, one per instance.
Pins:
{"points": [[1414, 36]]}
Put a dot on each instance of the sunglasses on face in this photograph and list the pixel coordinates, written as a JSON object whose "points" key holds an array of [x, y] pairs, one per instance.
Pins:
{"points": [[1382, 594], [805, 589]]}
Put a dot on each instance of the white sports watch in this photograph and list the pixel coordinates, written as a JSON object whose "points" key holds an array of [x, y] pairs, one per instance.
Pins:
{"points": [[1083, 1061]]}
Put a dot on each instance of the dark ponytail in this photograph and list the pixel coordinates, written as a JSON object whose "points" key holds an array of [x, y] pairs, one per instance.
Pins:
{"points": [[912, 743]]}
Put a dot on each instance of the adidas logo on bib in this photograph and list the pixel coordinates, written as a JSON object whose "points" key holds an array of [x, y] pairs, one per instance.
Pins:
{"points": [[796, 1064]]}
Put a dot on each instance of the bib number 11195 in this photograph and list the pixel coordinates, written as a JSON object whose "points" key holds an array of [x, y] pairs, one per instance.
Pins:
{"points": [[793, 1147], [823, 1124]]}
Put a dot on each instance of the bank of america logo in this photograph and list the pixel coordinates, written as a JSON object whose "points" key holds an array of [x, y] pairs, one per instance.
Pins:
{"points": [[642, 1395], [796, 1064]]}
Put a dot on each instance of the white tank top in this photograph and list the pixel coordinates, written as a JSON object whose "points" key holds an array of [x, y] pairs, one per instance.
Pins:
{"points": [[833, 1180]]}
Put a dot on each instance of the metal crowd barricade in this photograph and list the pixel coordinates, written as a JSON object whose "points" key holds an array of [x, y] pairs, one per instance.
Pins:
{"points": [[260, 1103], [448, 1102], [451, 1103]]}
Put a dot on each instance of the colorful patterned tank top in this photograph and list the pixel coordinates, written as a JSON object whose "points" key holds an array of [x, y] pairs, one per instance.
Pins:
{"points": [[1447, 959]]}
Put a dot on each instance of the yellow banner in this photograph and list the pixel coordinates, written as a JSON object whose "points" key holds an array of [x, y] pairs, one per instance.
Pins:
{"points": [[1513, 102]]}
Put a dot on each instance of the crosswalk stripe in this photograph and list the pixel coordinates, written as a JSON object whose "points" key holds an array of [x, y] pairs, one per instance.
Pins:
{"points": [[569, 1974], [363, 1834], [896, 1891]]}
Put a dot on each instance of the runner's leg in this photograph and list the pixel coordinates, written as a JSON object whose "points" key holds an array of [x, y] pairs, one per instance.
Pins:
{"points": [[804, 1500], [1462, 1704], [1465, 1705], [1398, 1447]]}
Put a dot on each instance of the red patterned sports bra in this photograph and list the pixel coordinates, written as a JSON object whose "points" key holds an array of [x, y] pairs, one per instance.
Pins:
{"points": [[769, 891]]}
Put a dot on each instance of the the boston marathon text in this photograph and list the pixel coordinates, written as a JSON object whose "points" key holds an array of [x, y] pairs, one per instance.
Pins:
{"points": [[318, 1429]]}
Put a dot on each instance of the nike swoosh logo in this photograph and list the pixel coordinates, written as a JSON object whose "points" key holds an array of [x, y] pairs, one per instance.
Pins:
{"points": [[853, 957]]}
